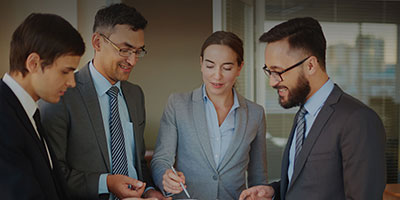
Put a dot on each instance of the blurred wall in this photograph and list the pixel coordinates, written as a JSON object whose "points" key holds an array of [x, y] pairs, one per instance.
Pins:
{"points": [[173, 37], [12, 13], [175, 32]]}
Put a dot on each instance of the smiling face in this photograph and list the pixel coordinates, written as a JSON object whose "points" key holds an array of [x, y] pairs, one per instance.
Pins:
{"points": [[107, 61], [294, 89], [51, 82], [220, 69]]}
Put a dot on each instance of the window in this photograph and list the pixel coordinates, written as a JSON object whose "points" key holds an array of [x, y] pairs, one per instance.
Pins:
{"points": [[362, 58]]}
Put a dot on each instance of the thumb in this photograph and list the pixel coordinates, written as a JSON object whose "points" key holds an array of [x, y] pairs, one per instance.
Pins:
{"points": [[261, 193], [135, 183]]}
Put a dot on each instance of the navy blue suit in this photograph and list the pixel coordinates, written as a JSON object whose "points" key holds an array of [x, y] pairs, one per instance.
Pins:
{"points": [[25, 172]]}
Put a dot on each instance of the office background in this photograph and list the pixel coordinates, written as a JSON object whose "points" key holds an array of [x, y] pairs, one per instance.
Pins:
{"points": [[362, 53]]}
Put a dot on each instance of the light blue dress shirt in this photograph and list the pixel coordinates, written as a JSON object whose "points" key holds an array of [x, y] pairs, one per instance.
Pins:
{"points": [[220, 136], [102, 85], [313, 106]]}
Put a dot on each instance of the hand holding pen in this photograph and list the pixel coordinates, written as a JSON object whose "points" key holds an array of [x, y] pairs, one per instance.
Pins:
{"points": [[174, 182]]}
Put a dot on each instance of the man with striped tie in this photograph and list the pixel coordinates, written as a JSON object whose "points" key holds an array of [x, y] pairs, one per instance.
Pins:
{"points": [[97, 128], [336, 147]]}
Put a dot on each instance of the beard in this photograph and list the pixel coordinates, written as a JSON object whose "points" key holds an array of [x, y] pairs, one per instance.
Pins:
{"points": [[296, 96]]}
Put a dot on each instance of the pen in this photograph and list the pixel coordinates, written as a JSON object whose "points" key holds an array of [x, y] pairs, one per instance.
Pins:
{"points": [[183, 187]]}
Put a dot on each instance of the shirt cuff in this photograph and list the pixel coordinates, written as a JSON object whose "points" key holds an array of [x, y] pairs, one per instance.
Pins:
{"points": [[149, 188], [166, 194], [103, 189]]}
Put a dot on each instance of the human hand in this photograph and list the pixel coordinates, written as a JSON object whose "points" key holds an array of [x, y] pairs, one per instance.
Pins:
{"points": [[260, 192], [124, 186], [171, 182], [155, 194]]}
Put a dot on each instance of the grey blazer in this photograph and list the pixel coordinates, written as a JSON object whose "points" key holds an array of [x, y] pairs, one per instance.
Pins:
{"points": [[76, 131], [183, 140], [342, 156]]}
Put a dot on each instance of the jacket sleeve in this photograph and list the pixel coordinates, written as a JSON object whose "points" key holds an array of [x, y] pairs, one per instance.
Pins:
{"points": [[257, 169], [362, 149], [56, 121], [164, 155]]}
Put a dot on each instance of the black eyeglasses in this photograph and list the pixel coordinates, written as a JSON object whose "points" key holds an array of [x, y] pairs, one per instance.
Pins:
{"points": [[127, 52], [277, 75]]}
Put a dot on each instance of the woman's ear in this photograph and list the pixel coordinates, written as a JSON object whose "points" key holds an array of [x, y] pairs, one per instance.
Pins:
{"points": [[240, 68]]}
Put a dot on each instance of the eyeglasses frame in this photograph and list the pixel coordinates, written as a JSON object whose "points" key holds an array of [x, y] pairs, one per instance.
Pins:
{"points": [[131, 51], [274, 74]]}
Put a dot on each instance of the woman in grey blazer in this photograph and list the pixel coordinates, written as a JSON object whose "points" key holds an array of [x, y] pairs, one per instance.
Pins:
{"points": [[212, 135]]}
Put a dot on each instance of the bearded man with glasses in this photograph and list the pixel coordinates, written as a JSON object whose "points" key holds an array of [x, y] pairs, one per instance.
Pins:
{"points": [[336, 147]]}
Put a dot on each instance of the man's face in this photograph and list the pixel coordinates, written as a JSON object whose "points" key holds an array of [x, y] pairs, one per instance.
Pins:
{"points": [[109, 62], [294, 89], [51, 82]]}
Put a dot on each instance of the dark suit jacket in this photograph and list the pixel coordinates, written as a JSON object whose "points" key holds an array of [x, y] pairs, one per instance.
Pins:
{"points": [[25, 172], [342, 156], [77, 133]]}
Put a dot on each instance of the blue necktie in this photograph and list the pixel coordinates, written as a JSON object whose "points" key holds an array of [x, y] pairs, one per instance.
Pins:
{"points": [[118, 153], [300, 129]]}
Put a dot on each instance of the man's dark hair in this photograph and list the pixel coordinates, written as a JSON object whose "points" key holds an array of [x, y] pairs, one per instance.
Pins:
{"points": [[48, 35], [106, 18], [302, 34], [225, 38]]}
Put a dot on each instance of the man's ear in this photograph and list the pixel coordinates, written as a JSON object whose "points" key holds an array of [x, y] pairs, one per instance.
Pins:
{"points": [[312, 65], [32, 62], [96, 41]]}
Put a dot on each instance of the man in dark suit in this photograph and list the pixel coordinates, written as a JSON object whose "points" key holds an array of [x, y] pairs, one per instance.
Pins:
{"points": [[42, 62], [98, 137], [336, 146]]}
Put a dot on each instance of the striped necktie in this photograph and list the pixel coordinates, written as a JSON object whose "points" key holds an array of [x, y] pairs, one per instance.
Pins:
{"points": [[300, 130], [118, 153]]}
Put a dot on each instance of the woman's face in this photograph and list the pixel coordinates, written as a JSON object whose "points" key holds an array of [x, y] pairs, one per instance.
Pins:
{"points": [[220, 68]]}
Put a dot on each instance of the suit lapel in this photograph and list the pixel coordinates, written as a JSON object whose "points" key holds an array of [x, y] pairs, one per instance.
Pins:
{"points": [[200, 123], [239, 133], [316, 129], [23, 117], [87, 90]]}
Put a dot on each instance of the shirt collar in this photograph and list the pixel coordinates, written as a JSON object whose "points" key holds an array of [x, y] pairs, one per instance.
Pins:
{"points": [[29, 105], [235, 98], [316, 101], [101, 84]]}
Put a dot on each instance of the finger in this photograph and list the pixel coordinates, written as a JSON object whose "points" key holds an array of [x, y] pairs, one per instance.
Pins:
{"points": [[244, 194], [174, 177], [168, 179], [170, 187], [140, 191], [135, 184], [182, 177], [261, 193], [173, 190], [171, 182]]}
